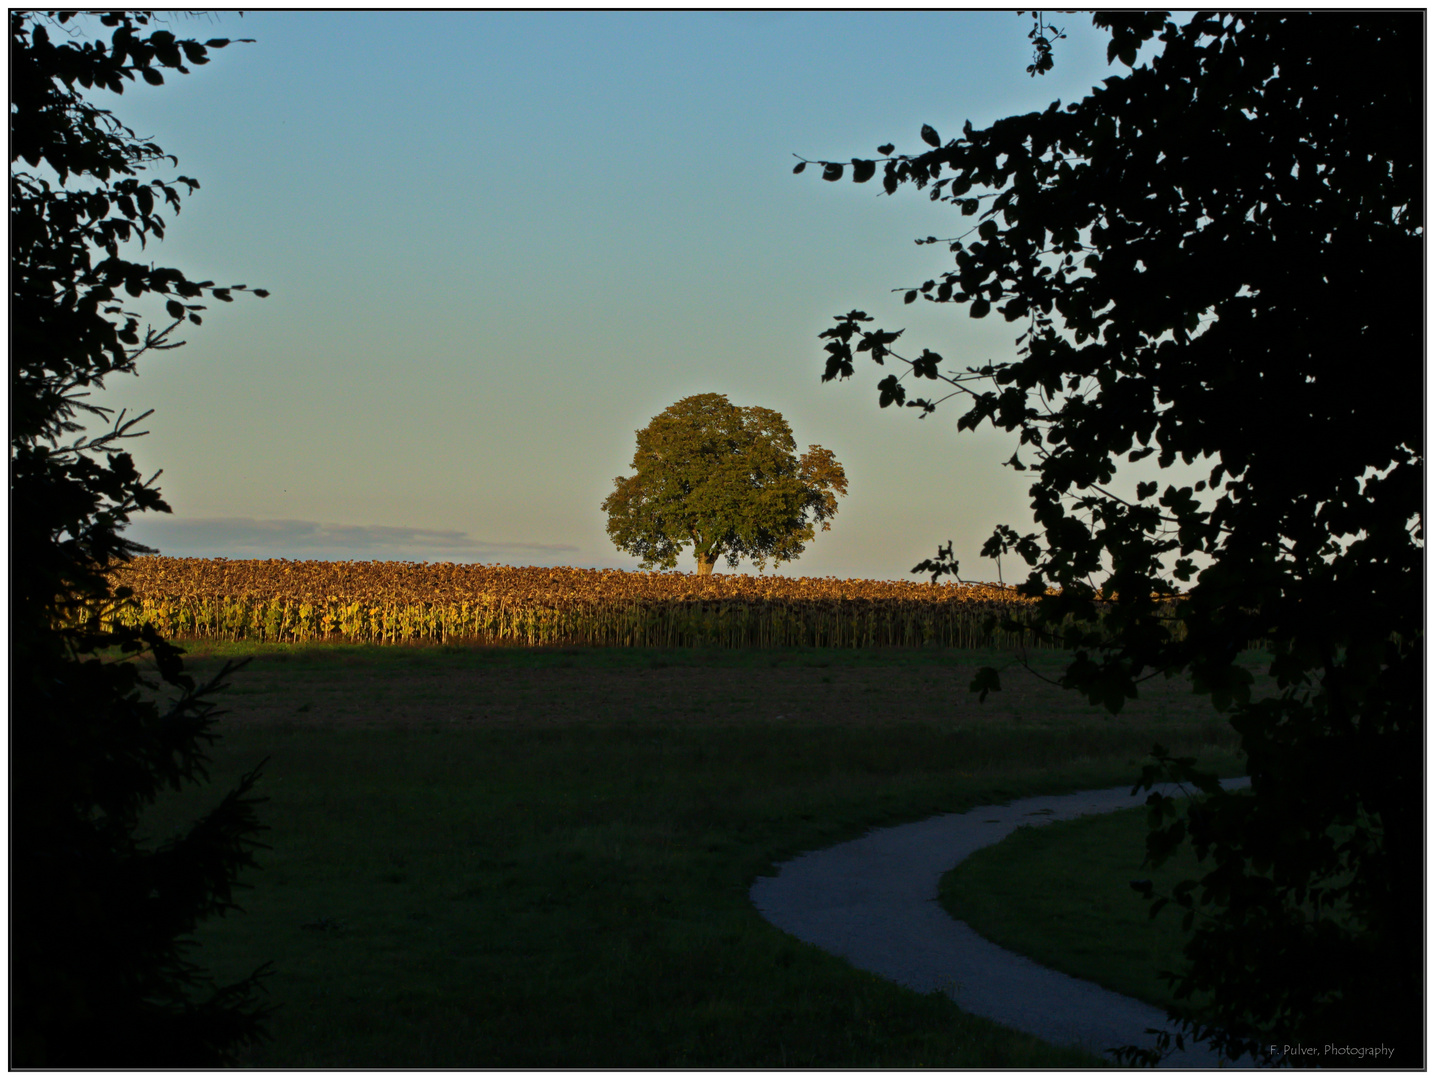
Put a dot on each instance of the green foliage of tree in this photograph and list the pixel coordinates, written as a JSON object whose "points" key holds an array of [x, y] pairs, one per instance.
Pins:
{"points": [[1217, 257], [100, 975], [725, 480]]}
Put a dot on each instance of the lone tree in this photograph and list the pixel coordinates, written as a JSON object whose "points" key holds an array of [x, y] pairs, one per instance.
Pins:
{"points": [[725, 480], [1217, 257], [99, 975]]}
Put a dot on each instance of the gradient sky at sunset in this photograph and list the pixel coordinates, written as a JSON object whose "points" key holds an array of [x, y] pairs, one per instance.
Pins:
{"points": [[498, 243]]}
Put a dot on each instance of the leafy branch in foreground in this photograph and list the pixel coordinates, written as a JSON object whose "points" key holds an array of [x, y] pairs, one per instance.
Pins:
{"points": [[100, 976], [1194, 253]]}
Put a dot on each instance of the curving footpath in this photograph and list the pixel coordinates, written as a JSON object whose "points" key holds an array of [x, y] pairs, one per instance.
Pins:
{"points": [[873, 901]]}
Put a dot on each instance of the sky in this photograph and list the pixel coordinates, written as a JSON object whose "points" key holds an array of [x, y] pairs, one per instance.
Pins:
{"points": [[499, 243]]}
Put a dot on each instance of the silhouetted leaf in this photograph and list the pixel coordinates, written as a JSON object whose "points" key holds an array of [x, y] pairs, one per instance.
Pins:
{"points": [[984, 682], [799, 166], [832, 172], [929, 135], [890, 390], [862, 170]]}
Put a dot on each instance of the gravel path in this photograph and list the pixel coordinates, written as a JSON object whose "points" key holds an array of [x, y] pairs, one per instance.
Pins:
{"points": [[873, 901]]}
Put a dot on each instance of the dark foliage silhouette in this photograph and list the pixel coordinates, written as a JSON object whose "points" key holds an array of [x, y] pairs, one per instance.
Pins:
{"points": [[1217, 257], [100, 974]]}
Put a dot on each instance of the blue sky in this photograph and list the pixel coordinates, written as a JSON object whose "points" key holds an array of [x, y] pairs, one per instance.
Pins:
{"points": [[498, 243]]}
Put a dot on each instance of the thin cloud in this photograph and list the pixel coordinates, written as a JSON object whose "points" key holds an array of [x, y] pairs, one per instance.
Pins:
{"points": [[255, 538]]}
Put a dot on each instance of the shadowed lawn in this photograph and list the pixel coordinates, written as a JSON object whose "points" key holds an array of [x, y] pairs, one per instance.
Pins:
{"points": [[1061, 894], [540, 858]]}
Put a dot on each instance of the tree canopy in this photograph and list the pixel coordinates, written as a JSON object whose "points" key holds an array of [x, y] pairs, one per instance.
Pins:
{"points": [[100, 975], [1216, 258], [725, 480]]}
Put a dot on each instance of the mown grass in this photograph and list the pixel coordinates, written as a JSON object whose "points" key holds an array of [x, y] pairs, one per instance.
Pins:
{"points": [[509, 858], [1061, 895]]}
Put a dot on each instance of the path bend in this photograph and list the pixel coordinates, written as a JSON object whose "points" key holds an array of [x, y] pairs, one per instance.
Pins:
{"points": [[873, 901]]}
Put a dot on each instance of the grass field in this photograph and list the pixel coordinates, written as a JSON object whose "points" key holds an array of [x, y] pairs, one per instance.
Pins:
{"points": [[1061, 894], [540, 858]]}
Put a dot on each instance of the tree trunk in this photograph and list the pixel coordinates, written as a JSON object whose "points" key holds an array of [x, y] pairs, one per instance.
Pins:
{"points": [[705, 563]]}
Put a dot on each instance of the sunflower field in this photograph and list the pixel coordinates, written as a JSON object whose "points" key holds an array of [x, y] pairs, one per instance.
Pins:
{"points": [[405, 602]]}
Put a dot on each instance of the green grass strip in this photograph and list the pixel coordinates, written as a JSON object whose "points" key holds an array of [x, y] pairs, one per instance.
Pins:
{"points": [[1061, 895]]}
